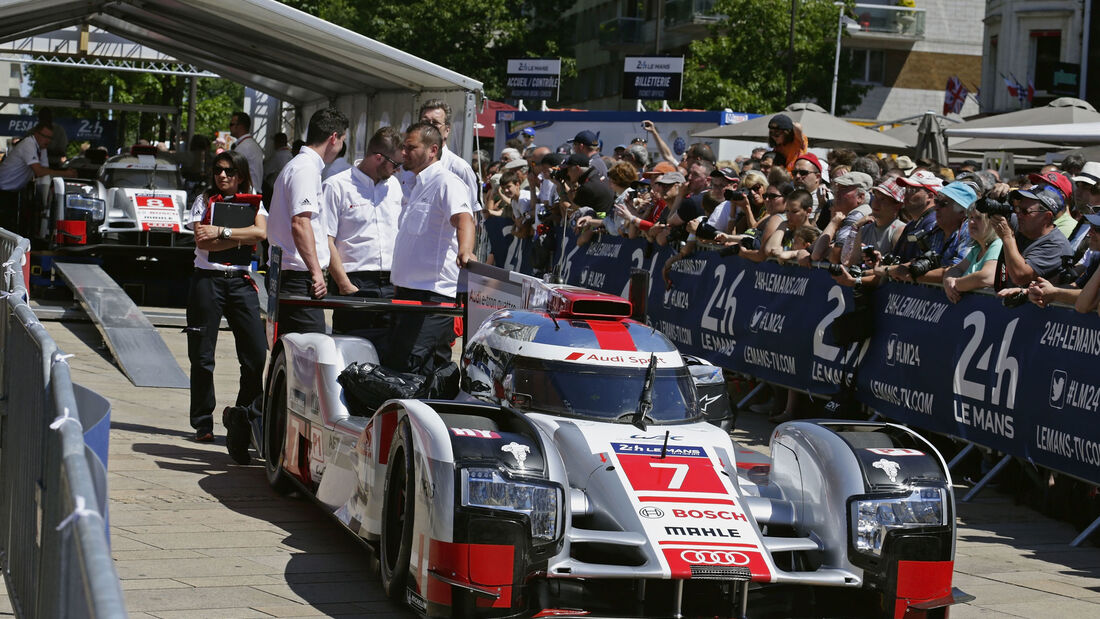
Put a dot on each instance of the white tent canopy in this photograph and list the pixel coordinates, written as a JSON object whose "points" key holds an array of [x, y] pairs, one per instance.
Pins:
{"points": [[268, 46], [1067, 133]]}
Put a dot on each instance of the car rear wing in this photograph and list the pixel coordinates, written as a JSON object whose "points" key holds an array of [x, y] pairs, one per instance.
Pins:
{"points": [[275, 298]]}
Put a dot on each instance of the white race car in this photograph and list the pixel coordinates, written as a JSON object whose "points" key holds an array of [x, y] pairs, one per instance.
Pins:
{"points": [[138, 199], [576, 476]]}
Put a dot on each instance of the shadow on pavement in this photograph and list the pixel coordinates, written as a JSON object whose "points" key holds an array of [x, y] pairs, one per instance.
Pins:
{"points": [[328, 568]]}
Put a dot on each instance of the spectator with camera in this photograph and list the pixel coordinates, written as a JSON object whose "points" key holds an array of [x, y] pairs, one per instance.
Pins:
{"points": [[979, 267], [623, 179], [722, 189], [1063, 220], [921, 188], [851, 205], [879, 233], [653, 221], [1043, 292], [952, 204], [1043, 255]]}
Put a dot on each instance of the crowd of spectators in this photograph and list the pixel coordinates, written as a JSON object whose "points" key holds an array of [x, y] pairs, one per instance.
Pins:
{"points": [[1029, 238], [868, 219]]}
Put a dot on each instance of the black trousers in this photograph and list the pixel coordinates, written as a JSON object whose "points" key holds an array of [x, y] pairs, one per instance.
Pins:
{"points": [[9, 211], [295, 318], [419, 343], [212, 295], [371, 325]]}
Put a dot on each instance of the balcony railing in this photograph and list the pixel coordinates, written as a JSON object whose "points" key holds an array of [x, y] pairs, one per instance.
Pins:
{"points": [[877, 19], [622, 31], [685, 12]]}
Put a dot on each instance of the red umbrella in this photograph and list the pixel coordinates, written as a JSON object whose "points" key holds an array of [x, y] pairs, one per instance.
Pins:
{"points": [[486, 119]]}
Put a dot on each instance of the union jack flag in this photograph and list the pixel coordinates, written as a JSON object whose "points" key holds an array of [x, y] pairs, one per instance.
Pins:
{"points": [[955, 95]]}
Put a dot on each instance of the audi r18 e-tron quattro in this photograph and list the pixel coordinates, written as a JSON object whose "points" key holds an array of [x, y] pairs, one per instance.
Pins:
{"points": [[576, 476]]}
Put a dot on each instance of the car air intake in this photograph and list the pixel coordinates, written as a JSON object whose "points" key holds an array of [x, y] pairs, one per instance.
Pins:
{"points": [[720, 572]]}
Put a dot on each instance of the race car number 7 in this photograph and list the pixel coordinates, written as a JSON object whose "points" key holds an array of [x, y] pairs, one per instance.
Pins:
{"points": [[681, 472]]}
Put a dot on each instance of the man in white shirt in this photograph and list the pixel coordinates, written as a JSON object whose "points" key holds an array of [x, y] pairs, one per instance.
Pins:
{"points": [[437, 112], [296, 225], [240, 124], [362, 207], [435, 237], [24, 163]]}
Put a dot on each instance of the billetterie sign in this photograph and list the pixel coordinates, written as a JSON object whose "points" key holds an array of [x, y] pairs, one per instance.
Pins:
{"points": [[659, 78]]}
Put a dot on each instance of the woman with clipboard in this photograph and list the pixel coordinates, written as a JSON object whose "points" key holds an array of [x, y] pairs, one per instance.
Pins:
{"points": [[228, 222]]}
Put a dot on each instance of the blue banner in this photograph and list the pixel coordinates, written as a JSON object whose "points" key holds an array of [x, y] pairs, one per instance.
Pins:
{"points": [[507, 251], [1020, 380], [96, 132], [748, 317]]}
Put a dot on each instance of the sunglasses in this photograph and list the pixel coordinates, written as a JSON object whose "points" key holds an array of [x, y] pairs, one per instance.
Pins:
{"points": [[639, 141], [392, 162], [772, 196], [230, 172], [803, 172], [942, 203]]}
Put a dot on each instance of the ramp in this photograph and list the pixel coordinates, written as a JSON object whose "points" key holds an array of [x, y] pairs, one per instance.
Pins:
{"points": [[133, 341]]}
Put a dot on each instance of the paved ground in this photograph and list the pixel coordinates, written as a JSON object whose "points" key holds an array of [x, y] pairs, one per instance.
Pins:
{"points": [[194, 535]]}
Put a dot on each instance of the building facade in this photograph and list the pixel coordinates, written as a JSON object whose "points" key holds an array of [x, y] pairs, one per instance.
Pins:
{"points": [[1041, 44], [906, 54]]}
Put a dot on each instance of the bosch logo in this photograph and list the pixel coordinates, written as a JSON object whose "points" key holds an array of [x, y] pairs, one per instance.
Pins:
{"points": [[651, 512], [714, 557]]}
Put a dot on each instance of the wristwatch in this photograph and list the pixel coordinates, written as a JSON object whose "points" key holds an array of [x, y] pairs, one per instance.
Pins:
{"points": [[226, 232]]}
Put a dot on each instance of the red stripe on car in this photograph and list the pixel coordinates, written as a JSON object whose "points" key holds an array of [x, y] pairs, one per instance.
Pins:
{"points": [[611, 335]]}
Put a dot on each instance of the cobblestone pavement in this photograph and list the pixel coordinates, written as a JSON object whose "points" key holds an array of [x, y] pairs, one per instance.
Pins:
{"points": [[194, 535]]}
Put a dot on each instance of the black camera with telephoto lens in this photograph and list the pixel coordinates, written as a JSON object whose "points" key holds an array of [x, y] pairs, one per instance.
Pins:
{"points": [[560, 173], [734, 195], [928, 259], [990, 206], [706, 231]]}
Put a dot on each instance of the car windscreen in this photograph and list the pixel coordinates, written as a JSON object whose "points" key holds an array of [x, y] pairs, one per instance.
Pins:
{"points": [[598, 392], [147, 179]]}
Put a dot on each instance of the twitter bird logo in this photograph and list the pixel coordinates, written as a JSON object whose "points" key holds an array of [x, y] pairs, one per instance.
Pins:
{"points": [[1058, 389]]}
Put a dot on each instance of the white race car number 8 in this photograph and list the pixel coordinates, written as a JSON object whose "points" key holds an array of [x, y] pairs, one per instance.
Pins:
{"points": [[714, 557], [681, 471]]}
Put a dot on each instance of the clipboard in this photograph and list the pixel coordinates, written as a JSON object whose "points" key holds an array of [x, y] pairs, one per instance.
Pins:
{"points": [[238, 211]]}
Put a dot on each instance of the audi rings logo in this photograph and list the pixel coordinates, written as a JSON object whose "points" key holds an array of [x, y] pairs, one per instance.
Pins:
{"points": [[651, 512], [714, 557]]}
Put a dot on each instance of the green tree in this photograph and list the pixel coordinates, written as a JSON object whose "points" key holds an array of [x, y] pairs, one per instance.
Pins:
{"points": [[742, 65], [217, 99], [471, 37]]}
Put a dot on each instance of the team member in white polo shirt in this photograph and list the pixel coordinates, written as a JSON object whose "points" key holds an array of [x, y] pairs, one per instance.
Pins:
{"points": [[437, 112], [434, 238], [296, 224], [362, 206], [23, 163]]}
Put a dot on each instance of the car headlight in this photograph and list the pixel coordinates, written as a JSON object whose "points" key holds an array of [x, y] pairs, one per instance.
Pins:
{"points": [[541, 503], [80, 207], [874, 517]]}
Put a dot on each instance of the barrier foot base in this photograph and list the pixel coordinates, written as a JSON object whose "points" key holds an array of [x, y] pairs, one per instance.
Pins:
{"points": [[749, 396], [988, 477], [964, 452], [1089, 530]]}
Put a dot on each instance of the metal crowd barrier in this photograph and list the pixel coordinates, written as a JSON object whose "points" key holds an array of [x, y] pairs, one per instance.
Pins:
{"points": [[54, 550]]}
